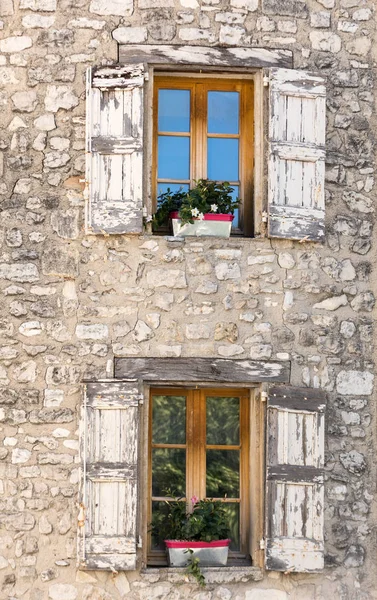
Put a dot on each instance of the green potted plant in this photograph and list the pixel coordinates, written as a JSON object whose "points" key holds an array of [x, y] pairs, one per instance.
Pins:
{"points": [[206, 209], [196, 538]]}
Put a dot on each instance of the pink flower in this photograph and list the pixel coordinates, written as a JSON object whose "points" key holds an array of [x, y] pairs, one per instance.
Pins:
{"points": [[194, 500]]}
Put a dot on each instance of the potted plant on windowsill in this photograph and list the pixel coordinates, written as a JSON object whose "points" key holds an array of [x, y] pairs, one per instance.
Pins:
{"points": [[193, 539], [206, 209]]}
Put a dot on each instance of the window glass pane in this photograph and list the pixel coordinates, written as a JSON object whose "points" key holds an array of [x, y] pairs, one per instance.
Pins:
{"points": [[233, 513], [223, 474], [173, 187], [223, 420], [159, 510], [174, 110], [222, 157], [168, 471], [173, 157], [223, 111], [169, 420], [234, 195]]}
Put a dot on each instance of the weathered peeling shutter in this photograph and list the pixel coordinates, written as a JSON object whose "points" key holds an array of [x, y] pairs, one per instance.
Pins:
{"points": [[296, 173], [109, 452], [295, 479], [114, 166]]}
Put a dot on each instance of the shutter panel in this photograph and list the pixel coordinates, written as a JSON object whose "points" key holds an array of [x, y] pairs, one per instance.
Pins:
{"points": [[296, 201], [109, 449], [114, 166], [295, 479]]}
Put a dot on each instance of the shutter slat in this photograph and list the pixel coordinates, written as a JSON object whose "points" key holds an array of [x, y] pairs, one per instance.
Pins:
{"points": [[295, 479], [296, 155], [109, 449], [114, 149]]}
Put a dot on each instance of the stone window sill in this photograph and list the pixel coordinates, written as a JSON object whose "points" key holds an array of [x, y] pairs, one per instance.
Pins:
{"points": [[216, 575]]}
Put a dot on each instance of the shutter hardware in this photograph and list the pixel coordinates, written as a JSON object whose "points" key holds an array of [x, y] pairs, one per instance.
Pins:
{"points": [[264, 396], [264, 216], [262, 544], [266, 81]]}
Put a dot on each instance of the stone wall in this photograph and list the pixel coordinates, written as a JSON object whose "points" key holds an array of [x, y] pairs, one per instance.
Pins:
{"points": [[71, 302]]}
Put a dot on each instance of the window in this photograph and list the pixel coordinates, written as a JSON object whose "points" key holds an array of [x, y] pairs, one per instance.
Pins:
{"points": [[203, 129], [199, 446], [280, 166], [282, 502]]}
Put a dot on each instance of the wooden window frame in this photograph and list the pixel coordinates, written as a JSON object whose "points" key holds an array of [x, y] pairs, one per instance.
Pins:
{"points": [[199, 84], [251, 475]]}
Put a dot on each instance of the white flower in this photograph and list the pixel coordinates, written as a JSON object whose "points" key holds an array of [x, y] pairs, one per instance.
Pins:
{"points": [[214, 207], [194, 212], [201, 216]]}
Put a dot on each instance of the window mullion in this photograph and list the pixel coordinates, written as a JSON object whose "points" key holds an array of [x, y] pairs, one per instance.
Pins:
{"points": [[200, 142]]}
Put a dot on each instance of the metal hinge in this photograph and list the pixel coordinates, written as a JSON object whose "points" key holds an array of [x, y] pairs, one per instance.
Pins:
{"points": [[264, 216], [262, 544], [140, 542], [264, 396], [266, 81]]}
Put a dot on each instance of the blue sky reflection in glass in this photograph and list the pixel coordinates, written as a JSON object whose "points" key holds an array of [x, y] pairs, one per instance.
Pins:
{"points": [[223, 112]]}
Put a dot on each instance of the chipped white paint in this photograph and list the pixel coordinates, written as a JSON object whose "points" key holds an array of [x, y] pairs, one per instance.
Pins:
{"points": [[295, 481], [296, 155], [114, 149], [203, 55], [109, 450]]}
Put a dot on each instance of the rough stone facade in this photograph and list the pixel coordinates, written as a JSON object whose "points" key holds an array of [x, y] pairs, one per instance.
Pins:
{"points": [[71, 302]]}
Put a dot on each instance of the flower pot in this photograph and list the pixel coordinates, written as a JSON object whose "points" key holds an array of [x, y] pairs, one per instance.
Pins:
{"points": [[210, 554], [212, 224]]}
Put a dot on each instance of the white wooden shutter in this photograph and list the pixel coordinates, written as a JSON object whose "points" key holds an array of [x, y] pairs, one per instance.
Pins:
{"points": [[114, 166], [109, 452], [295, 479], [296, 173]]}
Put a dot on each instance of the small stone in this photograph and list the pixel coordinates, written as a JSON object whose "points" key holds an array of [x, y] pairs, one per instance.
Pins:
{"points": [[347, 329], [353, 461], [363, 302], [332, 303], [260, 351], [355, 556], [3, 562], [43, 5], [197, 331], [20, 455], [130, 35], [225, 271], [320, 19], [45, 122], [288, 8], [264, 594], [286, 260], [142, 332], [48, 575], [166, 278], [26, 372], [37, 21], [60, 97], [30, 328], [230, 350], [25, 101]]}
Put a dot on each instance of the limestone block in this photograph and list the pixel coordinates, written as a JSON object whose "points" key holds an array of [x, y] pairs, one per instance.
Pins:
{"points": [[363, 14], [120, 8], [358, 202], [37, 22], [191, 34], [289, 8], [142, 332], [166, 278], [225, 271], [359, 46], [327, 3], [354, 383], [43, 5], [169, 351], [8, 76], [16, 43], [56, 159], [250, 5], [25, 101], [60, 97], [66, 223], [61, 261], [353, 461], [26, 372], [62, 591], [230, 350], [130, 35], [20, 272], [121, 583], [96, 331], [260, 351], [363, 302], [325, 41], [332, 303], [6, 8], [197, 331], [231, 34], [20, 455], [320, 19]]}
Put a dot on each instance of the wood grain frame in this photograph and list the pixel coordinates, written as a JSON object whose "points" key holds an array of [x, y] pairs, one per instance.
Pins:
{"points": [[199, 85]]}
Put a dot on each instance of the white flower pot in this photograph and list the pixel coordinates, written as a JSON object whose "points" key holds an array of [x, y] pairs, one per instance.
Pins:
{"points": [[212, 224], [210, 554]]}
